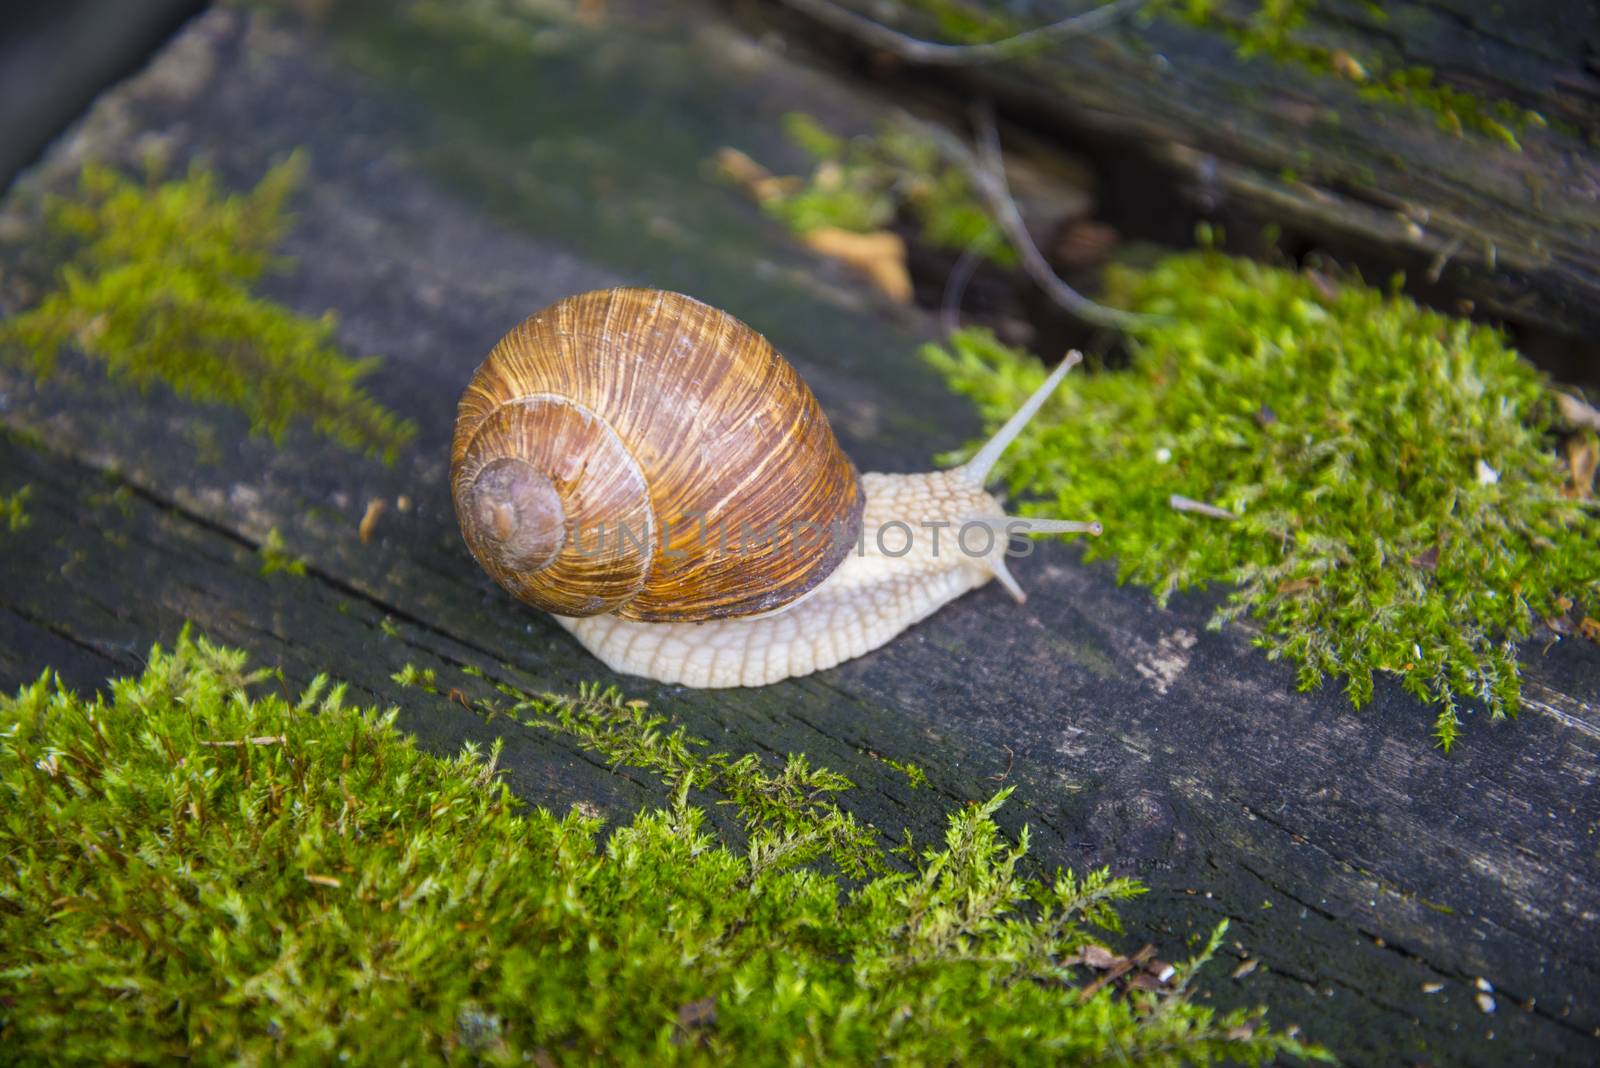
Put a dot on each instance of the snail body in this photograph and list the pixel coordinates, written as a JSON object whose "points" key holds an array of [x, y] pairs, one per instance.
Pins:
{"points": [[652, 473]]}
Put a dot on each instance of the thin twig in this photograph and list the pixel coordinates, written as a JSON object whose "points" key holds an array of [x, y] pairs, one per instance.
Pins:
{"points": [[265, 739], [997, 191], [1121, 968], [1011, 758], [1436, 268], [933, 53], [955, 285], [1189, 504], [987, 175]]}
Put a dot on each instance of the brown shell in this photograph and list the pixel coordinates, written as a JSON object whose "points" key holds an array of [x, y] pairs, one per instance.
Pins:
{"points": [[683, 435]]}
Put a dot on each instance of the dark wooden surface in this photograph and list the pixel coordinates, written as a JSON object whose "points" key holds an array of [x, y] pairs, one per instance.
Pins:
{"points": [[55, 55], [460, 180], [1257, 140]]}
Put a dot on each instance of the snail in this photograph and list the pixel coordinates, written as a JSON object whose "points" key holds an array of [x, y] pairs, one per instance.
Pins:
{"points": [[654, 474]]}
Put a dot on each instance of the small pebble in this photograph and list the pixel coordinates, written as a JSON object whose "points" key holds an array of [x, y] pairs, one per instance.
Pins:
{"points": [[1432, 988], [1486, 1002], [1483, 984]]}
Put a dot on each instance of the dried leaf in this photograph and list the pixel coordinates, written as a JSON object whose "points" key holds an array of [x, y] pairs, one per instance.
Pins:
{"points": [[1583, 458], [758, 182], [880, 255], [1576, 413], [1095, 956], [369, 519], [1117, 971]]}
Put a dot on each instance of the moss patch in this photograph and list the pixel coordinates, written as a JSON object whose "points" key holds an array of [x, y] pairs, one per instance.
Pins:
{"points": [[963, 24], [865, 183], [160, 292], [1270, 30], [276, 558], [1397, 504], [792, 813], [14, 510], [1273, 28], [916, 778], [197, 869]]}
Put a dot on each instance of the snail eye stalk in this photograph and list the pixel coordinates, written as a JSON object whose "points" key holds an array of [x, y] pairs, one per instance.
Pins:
{"points": [[978, 469]]}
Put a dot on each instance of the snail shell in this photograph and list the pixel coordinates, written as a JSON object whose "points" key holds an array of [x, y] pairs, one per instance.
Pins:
{"points": [[609, 445], [612, 447]]}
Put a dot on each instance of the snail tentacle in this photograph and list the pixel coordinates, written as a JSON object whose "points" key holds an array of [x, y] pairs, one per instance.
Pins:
{"points": [[978, 469]]}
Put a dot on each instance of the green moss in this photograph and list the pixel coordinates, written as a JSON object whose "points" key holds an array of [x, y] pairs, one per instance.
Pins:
{"points": [[805, 131], [791, 813], [13, 510], [1270, 31], [963, 24], [1399, 508], [160, 291], [915, 776], [864, 183], [276, 558], [195, 869]]}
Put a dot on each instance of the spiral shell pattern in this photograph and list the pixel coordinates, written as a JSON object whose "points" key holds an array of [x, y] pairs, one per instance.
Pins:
{"points": [[639, 452]]}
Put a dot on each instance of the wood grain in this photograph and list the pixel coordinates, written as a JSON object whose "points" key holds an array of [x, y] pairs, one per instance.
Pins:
{"points": [[1361, 867]]}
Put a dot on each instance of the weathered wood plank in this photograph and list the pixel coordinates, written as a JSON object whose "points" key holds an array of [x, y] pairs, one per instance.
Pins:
{"points": [[104, 569], [1133, 736], [1517, 229]]}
